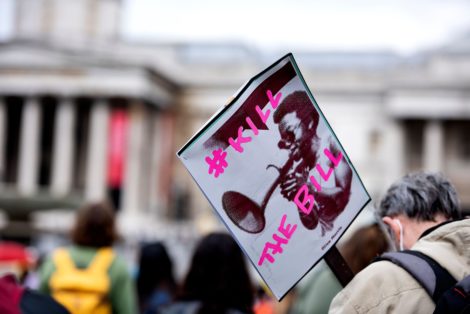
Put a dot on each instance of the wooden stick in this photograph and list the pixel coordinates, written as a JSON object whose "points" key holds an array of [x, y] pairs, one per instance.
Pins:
{"points": [[338, 266]]}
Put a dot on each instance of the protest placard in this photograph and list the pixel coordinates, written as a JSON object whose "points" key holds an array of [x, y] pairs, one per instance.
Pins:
{"points": [[275, 173]]}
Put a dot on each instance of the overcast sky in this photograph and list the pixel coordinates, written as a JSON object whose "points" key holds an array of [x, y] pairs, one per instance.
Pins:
{"points": [[401, 25]]}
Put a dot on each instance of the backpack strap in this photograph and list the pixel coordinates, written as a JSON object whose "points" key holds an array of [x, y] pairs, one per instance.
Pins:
{"points": [[426, 271], [101, 261], [63, 260], [464, 285]]}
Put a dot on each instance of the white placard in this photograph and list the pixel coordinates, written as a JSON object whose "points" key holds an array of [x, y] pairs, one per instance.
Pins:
{"points": [[275, 173]]}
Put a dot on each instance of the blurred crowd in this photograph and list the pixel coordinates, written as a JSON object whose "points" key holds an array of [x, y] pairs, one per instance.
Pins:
{"points": [[89, 276]]}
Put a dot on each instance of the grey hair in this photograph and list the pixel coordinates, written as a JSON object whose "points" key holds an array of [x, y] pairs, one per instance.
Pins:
{"points": [[422, 196]]}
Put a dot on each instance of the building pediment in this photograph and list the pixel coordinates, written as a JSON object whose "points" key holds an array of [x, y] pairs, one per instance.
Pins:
{"points": [[36, 68]]}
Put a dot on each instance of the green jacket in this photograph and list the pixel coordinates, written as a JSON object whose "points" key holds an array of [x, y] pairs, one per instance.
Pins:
{"points": [[315, 296], [122, 292]]}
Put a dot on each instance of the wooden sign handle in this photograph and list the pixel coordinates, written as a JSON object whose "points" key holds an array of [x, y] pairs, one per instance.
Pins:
{"points": [[338, 266]]}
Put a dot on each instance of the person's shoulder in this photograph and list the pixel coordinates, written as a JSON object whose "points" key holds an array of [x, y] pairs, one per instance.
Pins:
{"points": [[48, 264], [380, 282], [119, 264], [58, 250], [448, 245], [457, 233], [384, 274], [461, 226]]}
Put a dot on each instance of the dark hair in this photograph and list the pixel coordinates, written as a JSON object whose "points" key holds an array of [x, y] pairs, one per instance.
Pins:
{"points": [[94, 226], [218, 276], [155, 271], [300, 103], [364, 245], [423, 196]]}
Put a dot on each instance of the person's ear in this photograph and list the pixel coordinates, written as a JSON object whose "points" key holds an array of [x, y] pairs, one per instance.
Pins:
{"points": [[393, 226]]}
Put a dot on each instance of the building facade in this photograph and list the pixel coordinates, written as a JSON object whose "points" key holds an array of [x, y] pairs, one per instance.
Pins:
{"points": [[77, 123], [85, 116]]}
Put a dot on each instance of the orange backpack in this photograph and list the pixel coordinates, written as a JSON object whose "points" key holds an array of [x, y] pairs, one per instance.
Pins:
{"points": [[82, 291]]}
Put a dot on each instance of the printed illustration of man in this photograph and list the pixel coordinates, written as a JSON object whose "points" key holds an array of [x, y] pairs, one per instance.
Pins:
{"points": [[298, 120]]}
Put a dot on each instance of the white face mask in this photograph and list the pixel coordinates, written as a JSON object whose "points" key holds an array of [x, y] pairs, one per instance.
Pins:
{"points": [[397, 221]]}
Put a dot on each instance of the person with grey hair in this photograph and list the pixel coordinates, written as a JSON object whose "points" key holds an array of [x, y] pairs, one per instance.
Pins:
{"points": [[422, 214]]}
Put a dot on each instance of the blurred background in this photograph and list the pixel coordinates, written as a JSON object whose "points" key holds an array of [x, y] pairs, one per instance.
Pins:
{"points": [[96, 97]]}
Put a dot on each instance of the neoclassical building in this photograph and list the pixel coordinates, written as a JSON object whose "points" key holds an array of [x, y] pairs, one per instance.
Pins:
{"points": [[86, 116], [79, 122]]}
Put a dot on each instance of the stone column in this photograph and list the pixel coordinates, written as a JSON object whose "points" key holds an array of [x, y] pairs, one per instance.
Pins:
{"points": [[433, 149], [394, 153], [155, 202], [3, 123], [167, 156], [95, 188], [145, 160], [131, 196], [30, 133], [63, 151]]}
